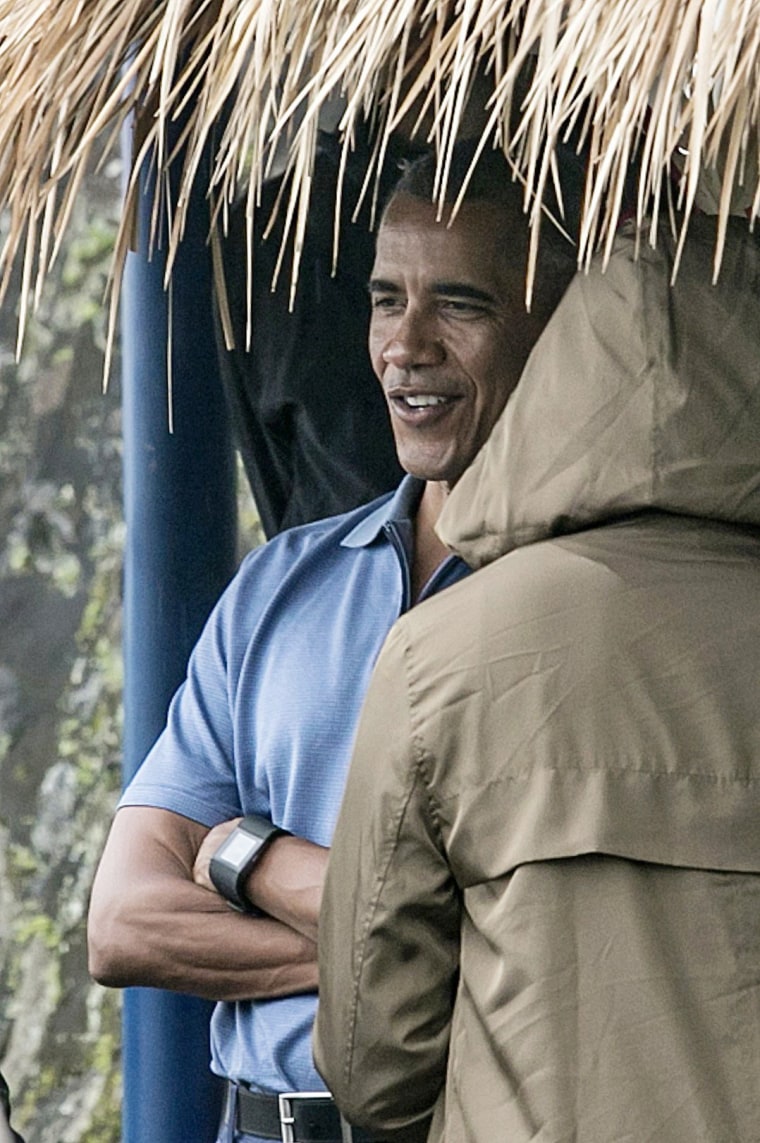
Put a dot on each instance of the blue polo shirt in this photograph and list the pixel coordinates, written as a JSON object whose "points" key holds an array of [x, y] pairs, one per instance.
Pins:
{"points": [[265, 721]]}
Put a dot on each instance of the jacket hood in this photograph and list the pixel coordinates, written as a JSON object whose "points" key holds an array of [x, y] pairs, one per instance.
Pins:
{"points": [[639, 394]]}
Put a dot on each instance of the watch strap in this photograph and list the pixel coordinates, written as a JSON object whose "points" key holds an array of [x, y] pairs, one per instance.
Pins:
{"points": [[228, 876]]}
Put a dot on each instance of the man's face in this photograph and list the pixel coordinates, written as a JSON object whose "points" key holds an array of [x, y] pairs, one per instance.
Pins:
{"points": [[449, 334]]}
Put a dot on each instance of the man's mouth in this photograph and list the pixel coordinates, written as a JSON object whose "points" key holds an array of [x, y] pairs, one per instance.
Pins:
{"points": [[424, 400], [422, 410]]}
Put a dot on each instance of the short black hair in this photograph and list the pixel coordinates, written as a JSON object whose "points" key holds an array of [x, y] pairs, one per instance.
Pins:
{"points": [[491, 180]]}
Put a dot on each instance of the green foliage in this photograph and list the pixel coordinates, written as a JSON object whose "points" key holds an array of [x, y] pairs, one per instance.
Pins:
{"points": [[250, 531], [91, 723], [62, 535], [61, 545], [22, 860], [38, 927], [41, 537]]}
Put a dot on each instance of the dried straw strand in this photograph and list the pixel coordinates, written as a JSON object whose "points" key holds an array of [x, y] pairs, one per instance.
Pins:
{"points": [[675, 83]]}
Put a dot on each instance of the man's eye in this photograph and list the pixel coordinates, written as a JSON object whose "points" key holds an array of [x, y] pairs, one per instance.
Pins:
{"points": [[463, 307], [385, 302]]}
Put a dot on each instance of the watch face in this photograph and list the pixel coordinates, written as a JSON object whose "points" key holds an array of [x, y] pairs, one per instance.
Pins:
{"points": [[238, 848]]}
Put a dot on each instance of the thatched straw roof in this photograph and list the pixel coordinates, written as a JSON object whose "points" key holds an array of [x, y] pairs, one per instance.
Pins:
{"points": [[675, 80]]}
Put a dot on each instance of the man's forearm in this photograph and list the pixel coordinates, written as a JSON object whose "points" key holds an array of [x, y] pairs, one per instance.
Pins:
{"points": [[150, 924], [287, 883], [198, 944]]}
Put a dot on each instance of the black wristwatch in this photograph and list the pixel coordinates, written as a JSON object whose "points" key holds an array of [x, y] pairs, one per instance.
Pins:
{"points": [[237, 855]]}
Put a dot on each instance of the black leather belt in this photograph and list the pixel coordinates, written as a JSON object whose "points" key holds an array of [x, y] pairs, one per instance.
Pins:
{"points": [[292, 1117]]}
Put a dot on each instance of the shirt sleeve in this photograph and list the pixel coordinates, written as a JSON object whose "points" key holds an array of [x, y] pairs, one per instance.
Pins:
{"points": [[191, 767], [389, 928]]}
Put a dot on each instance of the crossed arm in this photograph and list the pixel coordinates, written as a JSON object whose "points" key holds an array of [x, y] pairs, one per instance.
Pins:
{"points": [[156, 920]]}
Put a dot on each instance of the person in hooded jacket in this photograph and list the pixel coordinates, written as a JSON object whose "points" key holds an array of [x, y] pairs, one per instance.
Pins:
{"points": [[541, 917]]}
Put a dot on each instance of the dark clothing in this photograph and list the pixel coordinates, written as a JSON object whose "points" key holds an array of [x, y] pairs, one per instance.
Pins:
{"points": [[308, 413], [5, 1104]]}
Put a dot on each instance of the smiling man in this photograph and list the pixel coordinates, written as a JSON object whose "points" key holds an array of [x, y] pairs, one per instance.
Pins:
{"points": [[262, 728], [449, 336], [449, 332]]}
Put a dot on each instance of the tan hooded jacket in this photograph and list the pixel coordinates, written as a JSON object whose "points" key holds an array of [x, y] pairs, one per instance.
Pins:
{"points": [[542, 913]]}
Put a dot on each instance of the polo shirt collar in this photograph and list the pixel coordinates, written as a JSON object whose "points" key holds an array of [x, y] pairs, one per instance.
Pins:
{"points": [[400, 509]]}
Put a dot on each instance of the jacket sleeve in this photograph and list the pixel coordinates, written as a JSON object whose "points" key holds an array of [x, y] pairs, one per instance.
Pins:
{"points": [[389, 926]]}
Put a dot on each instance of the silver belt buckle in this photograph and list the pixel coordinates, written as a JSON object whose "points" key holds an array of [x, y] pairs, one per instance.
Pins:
{"points": [[287, 1118]]}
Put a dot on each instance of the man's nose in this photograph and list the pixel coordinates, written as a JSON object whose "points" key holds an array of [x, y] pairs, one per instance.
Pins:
{"points": [[413, 342]]}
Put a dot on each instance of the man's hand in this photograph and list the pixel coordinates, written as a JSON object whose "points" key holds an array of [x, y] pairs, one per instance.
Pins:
{"points": [[286, 883], [209, 846]]}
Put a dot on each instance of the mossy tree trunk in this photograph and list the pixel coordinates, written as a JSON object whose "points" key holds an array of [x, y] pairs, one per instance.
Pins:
{"points": [[60, 687]]}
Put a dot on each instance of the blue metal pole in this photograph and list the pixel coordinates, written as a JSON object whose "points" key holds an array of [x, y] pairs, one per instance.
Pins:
{"points": [[180, 513]]}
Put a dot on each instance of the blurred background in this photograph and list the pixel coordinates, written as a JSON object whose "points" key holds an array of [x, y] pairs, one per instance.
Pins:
{"points": [[61, 545]]}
